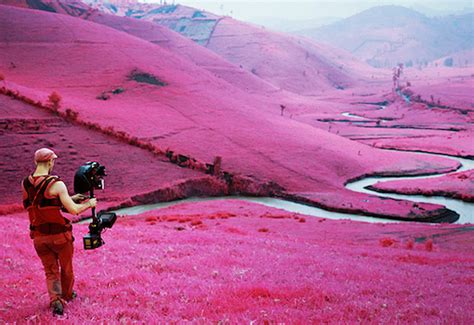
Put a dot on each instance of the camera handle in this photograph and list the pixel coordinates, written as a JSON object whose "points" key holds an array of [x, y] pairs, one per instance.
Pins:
{"points": [[91, 195]]}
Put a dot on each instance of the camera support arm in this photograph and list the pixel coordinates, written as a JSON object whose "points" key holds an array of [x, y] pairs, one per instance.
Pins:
{"points": [[94, 216]]}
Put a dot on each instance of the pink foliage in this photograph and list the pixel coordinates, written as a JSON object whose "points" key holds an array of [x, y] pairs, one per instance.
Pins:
{"points": [[299, 272]]}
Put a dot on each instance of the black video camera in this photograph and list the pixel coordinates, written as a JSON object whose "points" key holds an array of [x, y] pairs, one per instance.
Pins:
{"points": [[88, 177]]}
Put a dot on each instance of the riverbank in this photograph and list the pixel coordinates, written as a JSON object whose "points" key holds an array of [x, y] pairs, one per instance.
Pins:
{"points": [[241, 262], [456, 185]]}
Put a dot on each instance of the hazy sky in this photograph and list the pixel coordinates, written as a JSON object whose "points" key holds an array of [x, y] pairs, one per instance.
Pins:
{"points": [[249, 10]]}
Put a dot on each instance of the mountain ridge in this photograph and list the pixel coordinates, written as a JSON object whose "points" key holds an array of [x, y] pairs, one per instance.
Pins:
{"points": [[387, 35]]}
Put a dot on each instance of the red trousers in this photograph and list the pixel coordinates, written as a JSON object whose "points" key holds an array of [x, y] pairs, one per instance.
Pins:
{"points": [[55, 251]]}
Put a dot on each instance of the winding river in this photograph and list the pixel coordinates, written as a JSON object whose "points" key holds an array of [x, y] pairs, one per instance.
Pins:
{"points": [[464, 209]]}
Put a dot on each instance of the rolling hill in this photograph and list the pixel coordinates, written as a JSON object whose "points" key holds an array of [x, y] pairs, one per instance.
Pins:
{"points": [[387, 35], [170, 103], [287, 62]]}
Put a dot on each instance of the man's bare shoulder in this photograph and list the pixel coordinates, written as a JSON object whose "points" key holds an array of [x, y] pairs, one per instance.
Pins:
{"points": [[58, 186]]}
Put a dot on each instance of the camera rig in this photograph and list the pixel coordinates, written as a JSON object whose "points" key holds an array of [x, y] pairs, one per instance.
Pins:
{"points": [[88, 177]]}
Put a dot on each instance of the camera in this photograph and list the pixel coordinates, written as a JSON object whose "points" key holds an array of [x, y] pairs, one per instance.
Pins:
{"points": [[88, 177], [104, 220]]}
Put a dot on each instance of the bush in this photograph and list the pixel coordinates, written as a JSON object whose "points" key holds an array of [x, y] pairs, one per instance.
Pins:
{"points": [[448, 62], [118, 90], [2, 77], [144, 77], [71, 115], [54, 99], [103, 96]]}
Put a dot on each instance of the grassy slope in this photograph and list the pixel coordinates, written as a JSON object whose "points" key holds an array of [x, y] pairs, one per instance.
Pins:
{"points": [[196, 113], [240, 262]]}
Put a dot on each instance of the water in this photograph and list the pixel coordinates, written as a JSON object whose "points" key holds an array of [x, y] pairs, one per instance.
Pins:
{"points": [[267, 201], [465, 210], [347, 114], [365, 119]]}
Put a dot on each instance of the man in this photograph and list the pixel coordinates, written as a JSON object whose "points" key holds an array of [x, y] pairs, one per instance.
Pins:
{"points": [[44, 196]]}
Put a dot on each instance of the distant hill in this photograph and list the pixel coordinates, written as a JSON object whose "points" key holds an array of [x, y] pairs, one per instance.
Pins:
{"points": [[458, 59], [285, 61], [386, 35], [288, 25]]}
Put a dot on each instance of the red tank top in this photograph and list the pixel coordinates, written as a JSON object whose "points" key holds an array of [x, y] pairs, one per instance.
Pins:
{"points": [[41, 209]]}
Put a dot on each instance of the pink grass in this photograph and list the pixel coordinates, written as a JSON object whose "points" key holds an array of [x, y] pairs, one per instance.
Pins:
{"points": [[154, 268]]}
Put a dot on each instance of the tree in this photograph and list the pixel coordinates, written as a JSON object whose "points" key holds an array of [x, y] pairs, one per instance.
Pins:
{"points": [[54, 100], [448, 62]]}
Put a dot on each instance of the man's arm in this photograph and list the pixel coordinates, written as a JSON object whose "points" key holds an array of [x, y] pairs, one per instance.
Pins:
{"points": [[59, 189]]}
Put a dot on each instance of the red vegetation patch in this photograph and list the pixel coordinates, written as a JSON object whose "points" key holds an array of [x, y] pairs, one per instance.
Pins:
{"points": [[259, 293], [263, 230], [422, 260], [196, 223], [275, 216], [429, 245], [170, 218], [221, 215], [234, 230], [387, 242], [10, 209]]}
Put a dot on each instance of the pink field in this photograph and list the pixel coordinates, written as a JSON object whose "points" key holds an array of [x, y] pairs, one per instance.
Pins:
{"points": [[288, 118], [240, 262]]}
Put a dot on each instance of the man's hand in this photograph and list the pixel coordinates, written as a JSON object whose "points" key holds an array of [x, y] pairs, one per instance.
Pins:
{"points": [[92, 202], [78, 198]]}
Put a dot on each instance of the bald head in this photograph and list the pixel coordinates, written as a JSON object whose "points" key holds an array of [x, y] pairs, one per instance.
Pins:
{"points": [[44, 155]]}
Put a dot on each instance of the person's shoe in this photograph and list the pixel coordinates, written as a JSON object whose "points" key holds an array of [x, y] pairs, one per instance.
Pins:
{"points": [[57, 308], [73, 296]]}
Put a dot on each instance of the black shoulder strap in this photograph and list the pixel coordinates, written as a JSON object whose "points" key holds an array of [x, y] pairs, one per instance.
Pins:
{"points": [[42, 188], [26, 184]]}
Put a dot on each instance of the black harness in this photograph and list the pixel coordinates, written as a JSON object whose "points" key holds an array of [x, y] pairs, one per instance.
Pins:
{"points": [[36, 194], [36, 198]]}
